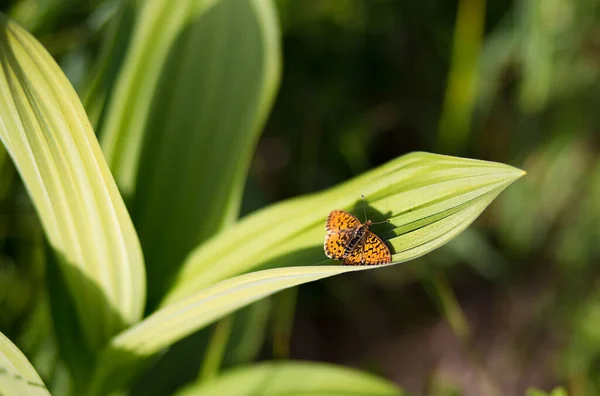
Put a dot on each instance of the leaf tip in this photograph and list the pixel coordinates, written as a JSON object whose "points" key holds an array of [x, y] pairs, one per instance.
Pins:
{"points": [[517, 173]]}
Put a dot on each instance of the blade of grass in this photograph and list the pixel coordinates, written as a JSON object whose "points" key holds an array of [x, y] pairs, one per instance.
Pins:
{"points": [[17, 375], [283, 322], [248, 333], [217, 347], [440, 291], [47, 134], [294, 378], [461, 92], [537, 48]]}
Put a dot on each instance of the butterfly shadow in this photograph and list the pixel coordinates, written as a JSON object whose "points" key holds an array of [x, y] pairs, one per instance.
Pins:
{"points": [[381, 226], [314, 255]]}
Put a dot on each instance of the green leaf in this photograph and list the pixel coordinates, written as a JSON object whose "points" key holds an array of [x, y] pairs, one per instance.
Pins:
{"points": [[173, 322], [47, 134], [75, 352], [431, 198], [293, 378], [158, 25], [185, 118], [17, 375], [428, 198]]}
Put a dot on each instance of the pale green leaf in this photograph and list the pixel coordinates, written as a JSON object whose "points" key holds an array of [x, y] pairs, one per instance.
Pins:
{"points": [[183, 317], [17, 375], [46, 132], [172, 323], [428, 198], [294, 378], [184, 119]]}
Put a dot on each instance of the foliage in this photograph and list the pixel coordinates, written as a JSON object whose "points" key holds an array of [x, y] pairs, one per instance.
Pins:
{"points": [[140, 217]]}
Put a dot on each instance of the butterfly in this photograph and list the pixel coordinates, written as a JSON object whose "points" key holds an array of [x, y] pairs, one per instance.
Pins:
{"points": [[353, 242]]}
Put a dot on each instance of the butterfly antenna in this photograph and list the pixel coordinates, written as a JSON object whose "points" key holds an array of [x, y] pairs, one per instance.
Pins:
{"points": [[365, 210], [381, 222], [364, 206]]}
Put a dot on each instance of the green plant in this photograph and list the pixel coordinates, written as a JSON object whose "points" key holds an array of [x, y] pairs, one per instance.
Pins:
{"points": [[178, 142]]}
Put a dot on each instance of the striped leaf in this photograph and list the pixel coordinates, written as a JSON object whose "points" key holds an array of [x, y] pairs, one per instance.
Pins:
{"points": [[48, 136]]}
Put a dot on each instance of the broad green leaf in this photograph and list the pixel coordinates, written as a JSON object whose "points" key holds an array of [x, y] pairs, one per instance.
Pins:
{"points": [[167, 325], [17, 375], [158, 26], [47, 134], [184, 120], [428, 198], [293, 378]]}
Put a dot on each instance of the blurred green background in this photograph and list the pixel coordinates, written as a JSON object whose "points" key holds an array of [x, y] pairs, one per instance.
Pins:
{"points": [[511, 303]]}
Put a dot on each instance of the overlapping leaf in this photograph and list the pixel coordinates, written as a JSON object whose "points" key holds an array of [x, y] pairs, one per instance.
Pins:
{"points": [[184, 119], [429, 198], [17, 375], [293, 378], [46, 132]]}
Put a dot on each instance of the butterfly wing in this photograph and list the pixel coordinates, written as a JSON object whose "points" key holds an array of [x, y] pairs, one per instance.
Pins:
{"points": [[339, 220], [371, 250], [341, 227], [375, 251], [336, 243]]}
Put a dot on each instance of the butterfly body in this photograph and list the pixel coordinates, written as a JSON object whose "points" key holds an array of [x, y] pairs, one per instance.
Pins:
{"points": [[357, 238], [353, 242]]}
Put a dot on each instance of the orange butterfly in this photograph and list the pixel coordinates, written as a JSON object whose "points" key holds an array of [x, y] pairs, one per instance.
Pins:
{"points": [[349, 240]]}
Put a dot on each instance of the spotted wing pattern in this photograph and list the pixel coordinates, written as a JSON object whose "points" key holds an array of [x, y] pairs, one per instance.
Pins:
{"points": [[375, 251], [336, 244], [371, 250], [339, 220], [341, 227]]}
